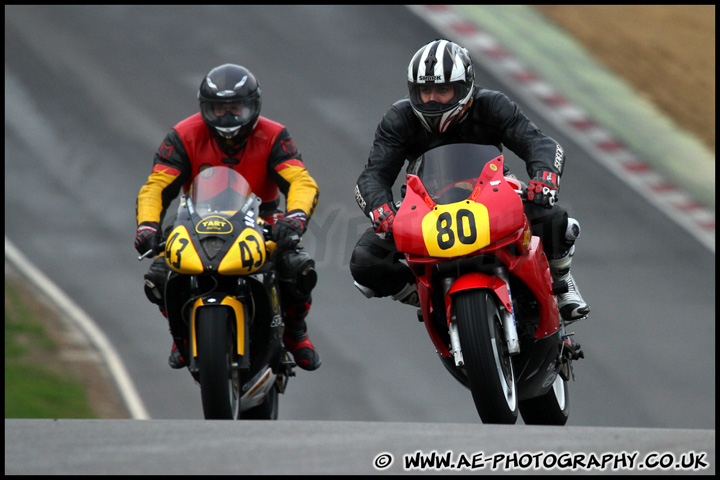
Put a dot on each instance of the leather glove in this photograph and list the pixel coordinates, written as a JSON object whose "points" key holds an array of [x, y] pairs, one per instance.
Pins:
{"points": [[543, 189], [147, 237], [293, 223], [383, 218]]}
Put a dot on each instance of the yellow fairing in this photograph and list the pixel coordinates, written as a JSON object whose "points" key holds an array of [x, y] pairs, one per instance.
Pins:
{"points": [[239, 319], [245, 256], [180, 254], [456, 229]]}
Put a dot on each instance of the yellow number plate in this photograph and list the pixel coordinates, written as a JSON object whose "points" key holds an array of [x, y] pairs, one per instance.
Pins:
{"points": [[456, 229]]}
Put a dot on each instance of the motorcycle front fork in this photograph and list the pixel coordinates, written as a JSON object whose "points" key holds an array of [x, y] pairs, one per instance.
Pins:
{"points": [[508, 322], [510, 335], [452, 327]]}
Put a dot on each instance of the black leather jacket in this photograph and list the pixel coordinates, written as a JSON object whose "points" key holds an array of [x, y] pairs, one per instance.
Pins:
{"points": [[492, 119]]}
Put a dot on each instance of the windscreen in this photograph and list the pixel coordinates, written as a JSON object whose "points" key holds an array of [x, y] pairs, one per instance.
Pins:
{"points": [[450, 172], [218, 189]]}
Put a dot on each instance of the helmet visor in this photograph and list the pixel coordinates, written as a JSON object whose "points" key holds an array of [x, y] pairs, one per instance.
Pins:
{"points": [[230, 114], [437, 99]]}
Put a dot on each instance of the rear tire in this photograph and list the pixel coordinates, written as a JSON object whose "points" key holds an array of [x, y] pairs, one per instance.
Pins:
{"points": [[219, 382], [549, 409], [487, 363]]}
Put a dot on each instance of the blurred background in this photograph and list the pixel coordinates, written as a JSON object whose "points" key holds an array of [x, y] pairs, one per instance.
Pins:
{"points": [[91, 91]]}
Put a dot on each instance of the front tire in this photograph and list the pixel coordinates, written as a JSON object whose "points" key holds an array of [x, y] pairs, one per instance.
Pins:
{"points": [[219, 381], [487, 362], [549, 409]]}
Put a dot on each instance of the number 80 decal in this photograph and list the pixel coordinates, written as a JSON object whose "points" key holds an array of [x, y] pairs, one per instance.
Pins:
{"points": [[456, 229]]}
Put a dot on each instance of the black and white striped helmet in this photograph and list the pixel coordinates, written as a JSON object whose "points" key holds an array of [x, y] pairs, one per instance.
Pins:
{"points": [[441, 62]]}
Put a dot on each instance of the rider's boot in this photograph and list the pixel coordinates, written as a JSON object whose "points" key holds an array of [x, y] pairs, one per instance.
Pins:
{"points": [[408, 295], [175, 360], [296, 339], [571, 304]]}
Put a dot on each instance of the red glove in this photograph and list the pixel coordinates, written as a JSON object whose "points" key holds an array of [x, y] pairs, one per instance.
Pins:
{"points": [[543, 189], [147, 237], [382, 219]]}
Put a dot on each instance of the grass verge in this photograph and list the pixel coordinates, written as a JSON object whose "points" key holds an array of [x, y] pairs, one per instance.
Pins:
{"points": [[35, 387]]}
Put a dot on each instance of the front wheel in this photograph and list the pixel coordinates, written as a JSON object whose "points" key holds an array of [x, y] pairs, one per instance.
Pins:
{"points": [[549, 409], [487, 361], [219, 381]]}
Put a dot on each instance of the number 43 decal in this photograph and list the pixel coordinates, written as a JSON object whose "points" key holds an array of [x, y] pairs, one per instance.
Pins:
{"points": [[247, 256], [251, 258], [456, 229]]}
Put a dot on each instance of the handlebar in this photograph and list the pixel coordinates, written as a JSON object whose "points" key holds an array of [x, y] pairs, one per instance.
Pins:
{"points": [[151, 251]]}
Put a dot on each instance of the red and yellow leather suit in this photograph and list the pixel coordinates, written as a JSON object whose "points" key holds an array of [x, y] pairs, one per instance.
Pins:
{"points": [[269, 161]]}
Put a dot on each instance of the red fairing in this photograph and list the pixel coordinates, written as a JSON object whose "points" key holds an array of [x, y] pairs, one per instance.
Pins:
{"points": [[407, 227], [534, 271], [511, 241], [480, 280]]}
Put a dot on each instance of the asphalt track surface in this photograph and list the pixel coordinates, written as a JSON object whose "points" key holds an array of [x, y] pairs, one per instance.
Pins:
{"points": [[91, 92]]}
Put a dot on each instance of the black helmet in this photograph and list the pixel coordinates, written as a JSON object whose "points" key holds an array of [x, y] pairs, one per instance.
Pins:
{"points": [[441, 62], [230, 84]]}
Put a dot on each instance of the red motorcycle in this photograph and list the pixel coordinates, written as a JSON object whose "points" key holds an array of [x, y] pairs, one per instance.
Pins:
{"points": [[487, 298]]}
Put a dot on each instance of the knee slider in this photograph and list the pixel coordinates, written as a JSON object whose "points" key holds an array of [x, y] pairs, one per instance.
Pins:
{"points": [[155, 280], [153, 293], [573, 230], [296, 270]]}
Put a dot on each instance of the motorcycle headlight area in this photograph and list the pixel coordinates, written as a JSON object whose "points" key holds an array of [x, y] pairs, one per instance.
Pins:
{"points": [[212, 245]]}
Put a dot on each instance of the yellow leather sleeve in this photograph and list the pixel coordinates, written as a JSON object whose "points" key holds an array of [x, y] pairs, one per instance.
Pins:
{"points": [[152, 197], [303, 191]]}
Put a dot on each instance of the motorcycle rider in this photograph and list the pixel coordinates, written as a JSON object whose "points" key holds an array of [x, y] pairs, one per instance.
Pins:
{"points": [[229, 131], [445, 106]]}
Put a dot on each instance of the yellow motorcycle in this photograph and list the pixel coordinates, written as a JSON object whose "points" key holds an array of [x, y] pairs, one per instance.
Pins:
{"points": [[223, 300]]}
